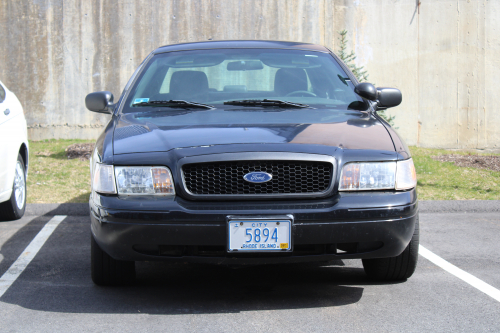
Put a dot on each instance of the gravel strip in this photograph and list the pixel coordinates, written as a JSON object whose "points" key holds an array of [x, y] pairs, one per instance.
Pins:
{"points": [[471, 161], [80, 150]]}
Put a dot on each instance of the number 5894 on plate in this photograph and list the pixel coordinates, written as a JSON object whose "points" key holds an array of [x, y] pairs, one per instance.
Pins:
{"points": [[259, 235]]}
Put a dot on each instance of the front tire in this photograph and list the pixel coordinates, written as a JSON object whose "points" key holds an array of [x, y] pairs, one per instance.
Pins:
{"points": [[14, 208], [107, 271], [395, 268]]}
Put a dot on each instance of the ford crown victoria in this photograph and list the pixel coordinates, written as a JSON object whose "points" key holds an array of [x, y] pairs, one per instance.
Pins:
{"points": [[250, 153]]}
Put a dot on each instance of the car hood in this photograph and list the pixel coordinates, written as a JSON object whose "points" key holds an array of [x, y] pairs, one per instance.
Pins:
{"points": [[164, 131]]}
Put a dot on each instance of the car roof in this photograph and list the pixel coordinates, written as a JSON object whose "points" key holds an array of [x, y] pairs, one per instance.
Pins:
{"points": [[231, 44]]}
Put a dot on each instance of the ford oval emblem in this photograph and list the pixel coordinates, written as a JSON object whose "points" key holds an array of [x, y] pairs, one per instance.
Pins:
{"points": [[258, 177]]}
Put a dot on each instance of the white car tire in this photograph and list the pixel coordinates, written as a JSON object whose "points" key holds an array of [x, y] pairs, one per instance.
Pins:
{"points": [[14, 208]]}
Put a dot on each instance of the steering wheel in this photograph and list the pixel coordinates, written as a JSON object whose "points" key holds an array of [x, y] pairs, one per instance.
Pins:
{"points": [[301, 93]]}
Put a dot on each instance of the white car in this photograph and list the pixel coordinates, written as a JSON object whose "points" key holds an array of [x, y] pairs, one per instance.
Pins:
{"points": [[13, 156]]}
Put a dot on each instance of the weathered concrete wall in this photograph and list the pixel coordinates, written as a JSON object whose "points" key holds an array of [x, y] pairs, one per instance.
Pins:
{"points": [[442, 54], [55, 52]]}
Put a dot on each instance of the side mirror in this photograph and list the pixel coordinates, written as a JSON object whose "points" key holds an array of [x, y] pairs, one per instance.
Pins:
{"points": [[100, 101], [367, 91], [385, 97], [389, 97]]}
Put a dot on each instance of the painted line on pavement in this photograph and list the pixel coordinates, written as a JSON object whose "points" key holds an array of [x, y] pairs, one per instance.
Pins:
{"points": [[29, 253], [463, 275]]}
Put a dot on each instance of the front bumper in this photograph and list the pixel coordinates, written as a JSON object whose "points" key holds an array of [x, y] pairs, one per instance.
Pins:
{"points": [[345, 226]]}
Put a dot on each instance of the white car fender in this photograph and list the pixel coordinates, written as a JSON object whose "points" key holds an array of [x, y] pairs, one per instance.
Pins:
{"points": [[13, 135]]}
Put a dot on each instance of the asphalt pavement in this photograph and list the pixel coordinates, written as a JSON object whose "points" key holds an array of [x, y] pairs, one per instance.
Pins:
{"points": [[54, 292]]}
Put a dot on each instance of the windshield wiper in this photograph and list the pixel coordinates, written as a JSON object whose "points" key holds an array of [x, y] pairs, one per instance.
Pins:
{"points": [[175, 103], [265, 102]]}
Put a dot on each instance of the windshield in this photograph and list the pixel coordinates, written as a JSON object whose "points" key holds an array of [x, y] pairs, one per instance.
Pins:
{"points": [[217, 76]]}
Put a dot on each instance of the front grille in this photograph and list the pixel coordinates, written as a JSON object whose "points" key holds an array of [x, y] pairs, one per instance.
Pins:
{"points": [[289, 177]]}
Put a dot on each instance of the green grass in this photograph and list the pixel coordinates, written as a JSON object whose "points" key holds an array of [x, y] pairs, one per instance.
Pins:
{"points": [[55, 179], [52, 178], [446, 181]]}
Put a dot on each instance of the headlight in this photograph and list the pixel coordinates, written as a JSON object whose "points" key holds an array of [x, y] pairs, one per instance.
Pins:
{"points": [[362, 176], [144, 181], [104, 179], [406, 176]]}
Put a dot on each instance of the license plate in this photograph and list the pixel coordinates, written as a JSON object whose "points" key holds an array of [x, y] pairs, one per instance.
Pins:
{"points": [[259, 235]]}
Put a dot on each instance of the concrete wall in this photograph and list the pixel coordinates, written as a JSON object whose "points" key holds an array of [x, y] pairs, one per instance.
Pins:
{"points": [[442, 54]]}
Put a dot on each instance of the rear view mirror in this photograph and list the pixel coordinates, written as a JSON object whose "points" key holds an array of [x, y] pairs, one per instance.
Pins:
{"points": [[244, 65], [100, 101]]}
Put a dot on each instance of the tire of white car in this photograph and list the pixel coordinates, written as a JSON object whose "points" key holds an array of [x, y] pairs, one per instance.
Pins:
{"points": [[14, 208]]}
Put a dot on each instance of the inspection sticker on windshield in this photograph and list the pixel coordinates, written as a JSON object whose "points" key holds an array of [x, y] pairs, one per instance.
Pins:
{"points": [[259, 235], [141, 100]]}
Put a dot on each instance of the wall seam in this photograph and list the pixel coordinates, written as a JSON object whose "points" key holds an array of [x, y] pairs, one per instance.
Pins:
{"points": [[477, 76], [484, 65], [419, 123], [458, 80], [324, 23]]}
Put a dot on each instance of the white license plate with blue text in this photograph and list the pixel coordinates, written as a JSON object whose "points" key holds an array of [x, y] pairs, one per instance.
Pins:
{"points": [[263, 235]]}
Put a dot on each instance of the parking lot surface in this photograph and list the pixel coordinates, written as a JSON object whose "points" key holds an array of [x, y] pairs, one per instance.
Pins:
{"points": [[54, 291]]}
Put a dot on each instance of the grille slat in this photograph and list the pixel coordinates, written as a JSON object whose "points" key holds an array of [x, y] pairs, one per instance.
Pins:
{"points": [[226, 178]]}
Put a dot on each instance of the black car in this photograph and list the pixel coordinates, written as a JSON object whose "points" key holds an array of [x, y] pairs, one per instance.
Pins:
{"points": [[250, 152]]}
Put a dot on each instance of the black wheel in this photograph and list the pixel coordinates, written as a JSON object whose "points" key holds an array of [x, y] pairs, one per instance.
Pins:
{"points": [[396, 268], [107, 271], [14, 208]]}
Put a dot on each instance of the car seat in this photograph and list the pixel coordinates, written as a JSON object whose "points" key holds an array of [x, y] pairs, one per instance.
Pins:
{"points": [[288, 80], [189, 86]]}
